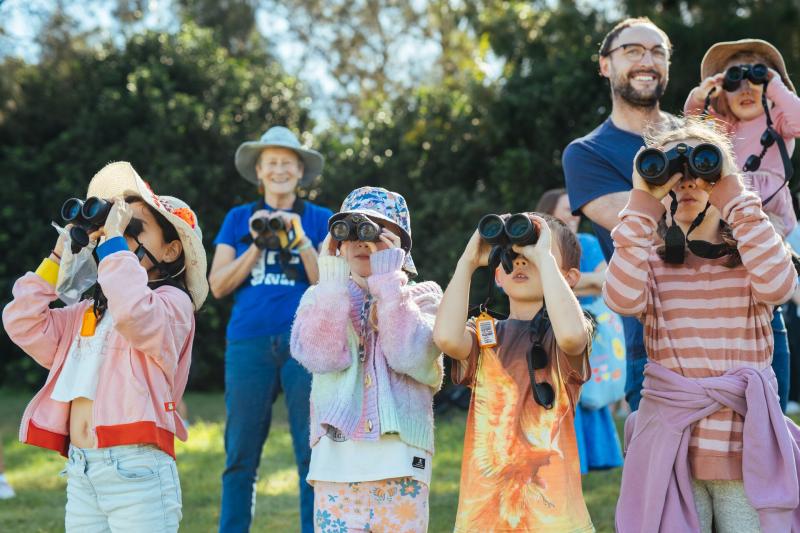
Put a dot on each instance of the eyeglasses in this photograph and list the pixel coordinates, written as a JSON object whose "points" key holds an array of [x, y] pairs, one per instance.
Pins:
{"points": [[635, 52], [543, 392]]}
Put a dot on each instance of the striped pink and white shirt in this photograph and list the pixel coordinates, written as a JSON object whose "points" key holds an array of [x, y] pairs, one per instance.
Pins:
{"points": [[703, 318]]}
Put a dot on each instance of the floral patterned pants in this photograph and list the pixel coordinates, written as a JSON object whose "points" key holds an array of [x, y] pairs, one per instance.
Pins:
{"points": [[398, 505]]}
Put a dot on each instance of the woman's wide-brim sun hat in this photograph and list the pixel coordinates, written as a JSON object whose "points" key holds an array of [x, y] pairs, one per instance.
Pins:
{"points": [[120, 179], [719, 54], [278, 137]]}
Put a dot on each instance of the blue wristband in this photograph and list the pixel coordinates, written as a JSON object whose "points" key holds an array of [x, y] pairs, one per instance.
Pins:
{"points": [[115, 244]]}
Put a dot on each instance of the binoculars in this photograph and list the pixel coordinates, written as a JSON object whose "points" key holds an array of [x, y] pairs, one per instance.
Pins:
{"points": [[502, 232], [509, 230], [758, 74], [355, 227], [85, 216], [703, 161], [269, 230]]}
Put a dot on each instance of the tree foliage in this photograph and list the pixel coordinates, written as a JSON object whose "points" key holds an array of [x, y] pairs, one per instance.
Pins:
{"points": [[455, 143], [175, 105]]}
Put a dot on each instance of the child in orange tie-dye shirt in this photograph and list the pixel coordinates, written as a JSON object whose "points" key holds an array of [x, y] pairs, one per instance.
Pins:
{"points": [[520, 469]]}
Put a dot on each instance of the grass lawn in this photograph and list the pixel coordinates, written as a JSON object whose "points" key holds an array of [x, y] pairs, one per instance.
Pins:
{"points": [[39, 505]]}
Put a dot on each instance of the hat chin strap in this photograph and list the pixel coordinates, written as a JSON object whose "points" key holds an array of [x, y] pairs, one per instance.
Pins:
{"points": [[161, 266]]}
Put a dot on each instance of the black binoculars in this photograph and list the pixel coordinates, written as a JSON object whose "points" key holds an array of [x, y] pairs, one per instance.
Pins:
{"points": [[502, 232], [355, 227], [269, 230], [509, 230], [703, 161], [85, 216], [758, 74]]}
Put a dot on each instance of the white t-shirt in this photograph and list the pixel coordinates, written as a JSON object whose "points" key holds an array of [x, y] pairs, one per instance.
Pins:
{"points": [[79, 375], [338, 460]]}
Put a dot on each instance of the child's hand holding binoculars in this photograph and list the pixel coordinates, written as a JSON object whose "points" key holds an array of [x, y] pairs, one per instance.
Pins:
{"points": [[476, 254], [541, 250], [117, 220]]}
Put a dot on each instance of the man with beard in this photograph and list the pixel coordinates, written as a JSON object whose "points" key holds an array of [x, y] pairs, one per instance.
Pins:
{"points": [[634, 56]]}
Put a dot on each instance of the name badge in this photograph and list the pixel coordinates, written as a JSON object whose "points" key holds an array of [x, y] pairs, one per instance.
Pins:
{"points": [[487, 335]]}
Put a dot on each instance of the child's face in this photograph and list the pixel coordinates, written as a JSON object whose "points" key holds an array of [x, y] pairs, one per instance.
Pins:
{"points": [[524, 284], [745, 102], [152, 238], [357, 253], [690, 192]]}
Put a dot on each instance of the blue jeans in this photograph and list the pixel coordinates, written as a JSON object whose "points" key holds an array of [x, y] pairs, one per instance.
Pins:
{"points": [[780, 357], [255, 371], [635, 359], [130, 488]]}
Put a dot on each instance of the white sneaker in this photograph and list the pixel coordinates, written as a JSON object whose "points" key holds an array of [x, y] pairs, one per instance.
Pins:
{"points": [[6, 492], [792, 408]]}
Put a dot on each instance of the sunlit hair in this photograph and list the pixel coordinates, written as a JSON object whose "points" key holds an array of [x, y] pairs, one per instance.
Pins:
{"points": [[701, 131]]}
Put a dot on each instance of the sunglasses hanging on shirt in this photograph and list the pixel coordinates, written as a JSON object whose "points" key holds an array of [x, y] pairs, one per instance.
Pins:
{"points": [[543, 392]]}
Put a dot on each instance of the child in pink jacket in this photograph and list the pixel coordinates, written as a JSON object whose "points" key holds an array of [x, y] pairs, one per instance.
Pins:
{"points": [[118, 363], [741, 113], [365, 333]]}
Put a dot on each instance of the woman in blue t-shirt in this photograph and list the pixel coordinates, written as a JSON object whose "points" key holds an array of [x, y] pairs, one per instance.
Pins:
{"points": [[595, 431], [266, 256]]}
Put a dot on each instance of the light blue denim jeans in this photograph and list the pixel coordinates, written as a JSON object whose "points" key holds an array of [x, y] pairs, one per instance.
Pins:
{"points": [[122, 489]]}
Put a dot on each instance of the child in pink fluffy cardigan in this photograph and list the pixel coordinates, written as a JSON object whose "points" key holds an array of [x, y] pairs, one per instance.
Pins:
{"points": [[365, 334]]}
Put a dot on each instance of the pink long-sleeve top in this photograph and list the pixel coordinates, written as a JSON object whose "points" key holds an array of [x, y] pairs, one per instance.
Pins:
{"points": [[746, 135], [146, 359], [391, 389], [702, 318]]}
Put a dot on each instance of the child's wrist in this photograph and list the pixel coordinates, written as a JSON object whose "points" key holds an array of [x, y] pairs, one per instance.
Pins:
{"points": [[333, 269]]}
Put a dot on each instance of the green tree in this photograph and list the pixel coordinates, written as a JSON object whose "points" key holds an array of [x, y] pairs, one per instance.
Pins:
{"points": [[175, 105]]}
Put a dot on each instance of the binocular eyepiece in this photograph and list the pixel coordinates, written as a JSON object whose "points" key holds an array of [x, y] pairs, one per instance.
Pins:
{"points": [[703, 161], [85, 216], [355, 227], [758, 74], [509, 230]]}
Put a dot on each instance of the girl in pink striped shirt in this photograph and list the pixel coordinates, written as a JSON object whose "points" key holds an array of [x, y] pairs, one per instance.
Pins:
{"points": [[708, 315]]}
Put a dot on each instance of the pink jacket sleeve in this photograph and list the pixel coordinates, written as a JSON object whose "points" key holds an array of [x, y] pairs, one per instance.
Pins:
{"points": [[31, 324], [157, 322], [627, 286], [406, 314], [319, 333], [772, 275], [786, 112]]}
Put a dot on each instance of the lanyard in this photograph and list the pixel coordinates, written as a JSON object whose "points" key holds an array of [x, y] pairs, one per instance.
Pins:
{"points": [[364, 328]]}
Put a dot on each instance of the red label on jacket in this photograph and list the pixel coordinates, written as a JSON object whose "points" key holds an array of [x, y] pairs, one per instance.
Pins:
{"points": [[169, 406]]}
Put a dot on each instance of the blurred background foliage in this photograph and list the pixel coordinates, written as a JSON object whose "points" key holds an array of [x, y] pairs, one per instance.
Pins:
{"points": [[478, 126]]}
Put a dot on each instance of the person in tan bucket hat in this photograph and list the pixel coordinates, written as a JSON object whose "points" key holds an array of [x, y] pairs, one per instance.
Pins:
{"points": [[119, 361], [738, 108]]}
